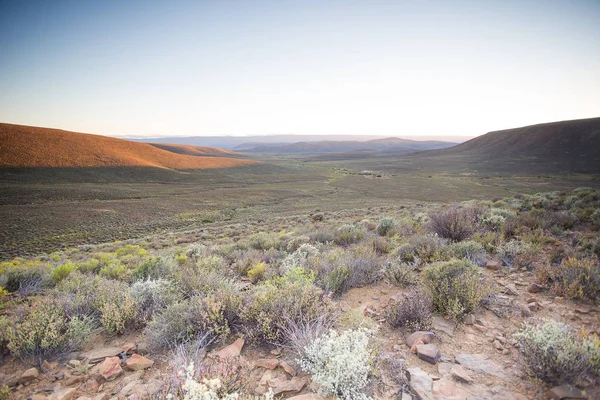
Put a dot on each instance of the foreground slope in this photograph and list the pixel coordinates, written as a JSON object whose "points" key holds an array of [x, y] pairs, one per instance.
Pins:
{"points": [[566, 146], [27, 146]]}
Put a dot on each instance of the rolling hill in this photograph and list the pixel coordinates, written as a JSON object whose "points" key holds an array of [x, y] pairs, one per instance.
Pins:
{"points": [[190, 150], [27, 146], [565, 146]]}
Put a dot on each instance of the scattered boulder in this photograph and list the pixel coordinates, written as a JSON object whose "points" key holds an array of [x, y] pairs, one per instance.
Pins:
{"points": [[420, 382], [481, 364], [137, 362], [267, 363], [28, 376], [110, 368], [233, 350], [493, 265], [63, 394], [460, 374], [287, 368], [565, 392], [423, 336], [535, 288], [443, 325], [98, 355], [429, 353]]}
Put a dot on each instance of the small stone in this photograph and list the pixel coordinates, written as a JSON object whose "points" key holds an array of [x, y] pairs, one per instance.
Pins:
{"points": [[98, 355], [511, 289], [287, 368], [233, 350], [137, 362], [268, 363], [110, 368], [429, 353], [38, 396], [498, 345], [142, 348], [532, 306], [526, 312], [276, 352], [90, 385], [470, 319], [63, 394], [74, 380], [129, 348], [480, 328], [459, 373], [534, 288], [493, 265], [565, 392], [28, 376], [423, 336]]}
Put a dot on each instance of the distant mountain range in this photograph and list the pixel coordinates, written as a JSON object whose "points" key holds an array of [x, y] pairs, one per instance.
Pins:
{"points": [[394, 144], [247, 142]]}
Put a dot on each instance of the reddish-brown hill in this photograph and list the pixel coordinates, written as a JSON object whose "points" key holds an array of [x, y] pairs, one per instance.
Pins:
{"points": [[190, 150], [27, 146]]}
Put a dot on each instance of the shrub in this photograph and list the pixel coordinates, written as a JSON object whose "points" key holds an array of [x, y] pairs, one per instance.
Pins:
{"points": [[573, 278], [106, 300], [554, 353], [263, 241], [401, 273], [413, 311], [347, 235], [299, 257], [321, 236], [172, 326], [386, 225], [151, 296], [340, 364], [339, 270], [380, 245], [272, 303], [517, 253], [421, 249], [455, 223], [257, 272], [455, 287], [471, 250], [299, 333], [218, 313], [46, 331], [62, 271], [27, 278]]}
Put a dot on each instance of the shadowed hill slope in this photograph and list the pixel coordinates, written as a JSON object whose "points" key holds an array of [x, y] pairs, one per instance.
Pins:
{"points": [[566, 146], [26, 146]]}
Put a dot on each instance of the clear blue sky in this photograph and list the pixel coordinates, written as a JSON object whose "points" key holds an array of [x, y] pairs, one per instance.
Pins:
{"points": [[402, 68]]}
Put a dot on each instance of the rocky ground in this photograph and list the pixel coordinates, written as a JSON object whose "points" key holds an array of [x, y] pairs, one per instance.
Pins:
{"points": [[474, 360]]}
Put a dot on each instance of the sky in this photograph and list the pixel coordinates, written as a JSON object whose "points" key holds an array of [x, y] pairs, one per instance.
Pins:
{"points": [[401, 68]]}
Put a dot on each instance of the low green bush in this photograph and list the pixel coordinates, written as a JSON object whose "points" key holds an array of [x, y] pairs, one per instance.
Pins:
{"points": [[456, 287], [348, 234], [46, 331], [573, 278], [386, 226], [554, 353]]}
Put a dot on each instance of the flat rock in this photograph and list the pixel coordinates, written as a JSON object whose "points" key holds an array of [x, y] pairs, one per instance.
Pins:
{"points": [[511, 289], [287, 368], [63, 394], [480, 363], [28, 376], [565, 392], [423, 336], [429, 353], [137, 362], [443, 325], [420, 382], [493, 265], [110, 368], [444, 388], [267, 363], [233, 350], [445, 368], [293, 385], [459, 373], [98, 355], [535, 288]]}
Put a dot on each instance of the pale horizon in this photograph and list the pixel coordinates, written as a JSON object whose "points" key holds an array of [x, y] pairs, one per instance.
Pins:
{"points": [[403, 69]]}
